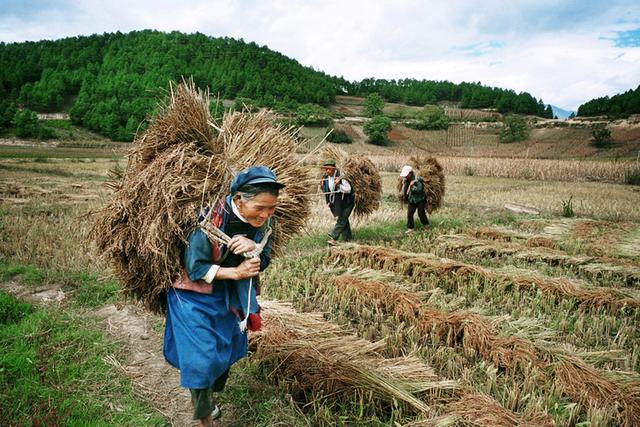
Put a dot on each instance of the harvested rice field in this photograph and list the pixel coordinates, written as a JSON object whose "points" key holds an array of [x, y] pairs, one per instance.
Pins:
{"points": [[487, 318]]}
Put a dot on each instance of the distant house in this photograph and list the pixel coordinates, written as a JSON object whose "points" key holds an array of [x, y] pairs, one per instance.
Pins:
{"points": [[56, 116]]}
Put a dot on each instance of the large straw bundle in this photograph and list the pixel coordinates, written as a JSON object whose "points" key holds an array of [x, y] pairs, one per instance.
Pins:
{"points": [[319, 357], [181, 162], [432, 175], [363, 176]]}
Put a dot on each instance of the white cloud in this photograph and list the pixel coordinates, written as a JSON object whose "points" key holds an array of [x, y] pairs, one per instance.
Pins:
{"points": [[560, 51]]}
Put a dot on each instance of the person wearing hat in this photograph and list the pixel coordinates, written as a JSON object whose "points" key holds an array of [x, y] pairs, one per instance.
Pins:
{"points": [[413, 193], [339, 198], [215, 297]]}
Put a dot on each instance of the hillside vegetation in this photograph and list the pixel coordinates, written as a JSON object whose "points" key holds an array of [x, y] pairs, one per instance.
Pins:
{"points": [[111, 82], [620, 105]]}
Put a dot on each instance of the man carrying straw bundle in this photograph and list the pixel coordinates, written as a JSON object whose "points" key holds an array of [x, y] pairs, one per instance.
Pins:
{"points": [[339, 196], [413, 190], [213, 302]]}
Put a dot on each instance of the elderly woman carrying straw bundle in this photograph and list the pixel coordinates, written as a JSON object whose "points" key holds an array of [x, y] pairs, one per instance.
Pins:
{"points": [[212, 304], [413, 192], [339, 197]]}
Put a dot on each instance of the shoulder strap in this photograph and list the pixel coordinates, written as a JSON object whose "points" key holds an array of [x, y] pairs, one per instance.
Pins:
{"points": [[217, 219]]}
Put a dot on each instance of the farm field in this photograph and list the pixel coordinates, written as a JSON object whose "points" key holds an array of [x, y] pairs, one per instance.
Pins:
{"points": [[489, 318], [548, 139]]}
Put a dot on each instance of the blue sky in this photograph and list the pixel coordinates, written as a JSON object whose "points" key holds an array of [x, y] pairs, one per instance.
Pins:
{"points": [[565, 52]]}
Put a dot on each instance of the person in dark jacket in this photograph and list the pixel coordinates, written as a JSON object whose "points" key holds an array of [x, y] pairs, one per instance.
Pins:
{"points": [[413, 191], [340, 199], [213, 302]]}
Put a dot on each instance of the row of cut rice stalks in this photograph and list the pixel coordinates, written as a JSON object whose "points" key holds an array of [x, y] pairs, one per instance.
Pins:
{"points": [[407, 323], [315, 359]]}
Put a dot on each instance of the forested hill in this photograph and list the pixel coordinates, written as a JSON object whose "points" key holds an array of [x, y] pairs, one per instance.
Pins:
{"points": [[465, 95], [620, 105], [111, 82], [118, 77]]}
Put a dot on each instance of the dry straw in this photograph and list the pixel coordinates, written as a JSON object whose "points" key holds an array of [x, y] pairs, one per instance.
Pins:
{"points": [[319, 358], [468, 329], [540, 249], [573, 377], [483, 411], [432, 175], [363, 176], [419, 265], [182, 162]]}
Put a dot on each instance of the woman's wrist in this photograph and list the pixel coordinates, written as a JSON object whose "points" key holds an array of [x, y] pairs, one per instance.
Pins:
{"points": [[228, 273]]}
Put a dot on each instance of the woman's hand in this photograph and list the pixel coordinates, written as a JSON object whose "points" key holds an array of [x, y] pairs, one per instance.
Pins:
{"points": [[250, 267], [240, 244]]}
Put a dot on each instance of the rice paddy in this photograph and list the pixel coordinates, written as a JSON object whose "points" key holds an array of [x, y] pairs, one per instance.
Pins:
{"points": [[489, 318]]}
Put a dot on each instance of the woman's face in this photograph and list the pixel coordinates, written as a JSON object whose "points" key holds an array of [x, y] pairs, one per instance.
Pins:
{"points": [[258, 209]]}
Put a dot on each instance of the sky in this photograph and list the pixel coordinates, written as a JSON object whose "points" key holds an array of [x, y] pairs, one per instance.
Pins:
{"points": [[565, 52]]}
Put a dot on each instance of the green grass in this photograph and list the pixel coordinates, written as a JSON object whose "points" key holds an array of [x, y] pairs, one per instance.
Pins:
{"points": [[58, 124], [255, 400], [28, 274], [11, 310], [567, 208], [53, 372], [85, 290], [89, 291]]}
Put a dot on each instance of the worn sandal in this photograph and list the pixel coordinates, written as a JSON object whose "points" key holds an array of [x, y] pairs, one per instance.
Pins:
{"points": [[216, 413]]}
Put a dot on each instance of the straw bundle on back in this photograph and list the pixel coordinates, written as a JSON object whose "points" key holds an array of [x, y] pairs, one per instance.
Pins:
{"points": [[179, 164], [363, 176], [432, 175]]}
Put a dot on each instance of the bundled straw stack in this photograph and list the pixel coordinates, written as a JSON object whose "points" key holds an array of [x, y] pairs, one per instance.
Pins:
{"points": [[363, 176], [480, 410], [182, 162], [431, 173], [319, 357]]}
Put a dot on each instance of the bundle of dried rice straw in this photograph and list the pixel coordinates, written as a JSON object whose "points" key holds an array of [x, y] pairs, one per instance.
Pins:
{"points": [[483, 411], [432, 175], [319, 357], [363, 176], [183, 161]]}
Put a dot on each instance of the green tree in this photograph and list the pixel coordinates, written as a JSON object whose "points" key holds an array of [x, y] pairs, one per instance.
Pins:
{"points": [[430, 118], [7, 113], [313, 116], [27, 126], [601, 137], [26, 123], [373, 105], [515, 129], [338, 136], [377, 129]]}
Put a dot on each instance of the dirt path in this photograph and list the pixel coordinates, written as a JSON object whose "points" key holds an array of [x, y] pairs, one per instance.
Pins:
{"points": [[155, 381]]}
